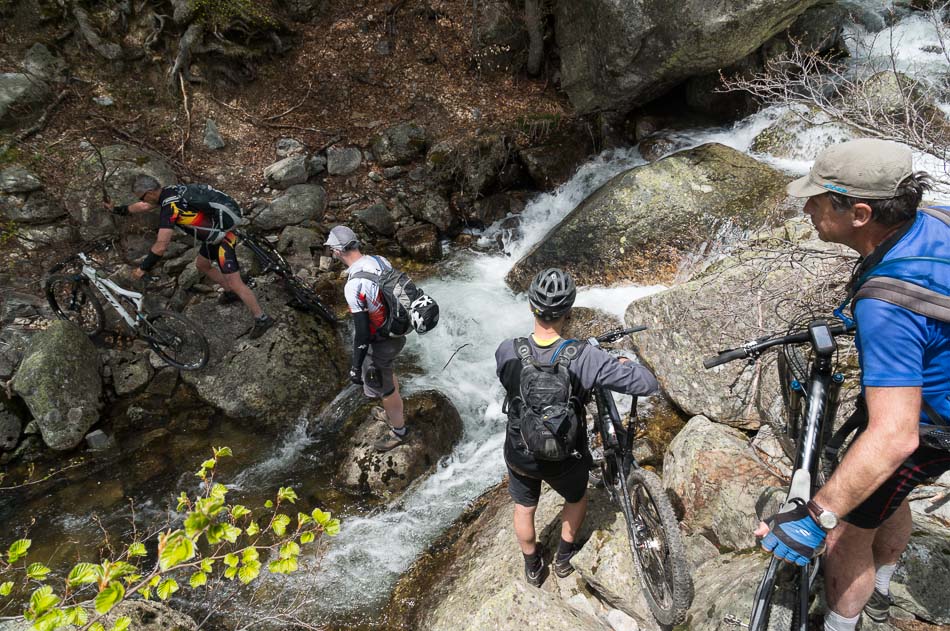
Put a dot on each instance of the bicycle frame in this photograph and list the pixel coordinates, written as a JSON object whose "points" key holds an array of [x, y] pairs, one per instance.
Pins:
{"points": [[109, 289]]}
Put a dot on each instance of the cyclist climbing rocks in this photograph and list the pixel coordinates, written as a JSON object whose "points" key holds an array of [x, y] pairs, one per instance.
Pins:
{"points": [[208, 215], [545, 372]]}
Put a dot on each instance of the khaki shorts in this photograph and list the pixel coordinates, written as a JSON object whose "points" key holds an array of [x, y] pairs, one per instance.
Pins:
{"points": [[380, 357]]}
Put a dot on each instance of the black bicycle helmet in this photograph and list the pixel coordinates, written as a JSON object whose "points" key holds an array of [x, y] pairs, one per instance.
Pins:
{"points": [[551, 294]]}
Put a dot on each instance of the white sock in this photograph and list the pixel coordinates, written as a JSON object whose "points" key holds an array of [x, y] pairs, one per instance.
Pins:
{"points": [[882, 579], [837, 622]]}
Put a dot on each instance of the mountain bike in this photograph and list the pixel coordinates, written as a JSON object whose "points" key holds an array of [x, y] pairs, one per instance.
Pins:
{"points": [[73, 297], [810, 397], [303, 298], [653, 532]]}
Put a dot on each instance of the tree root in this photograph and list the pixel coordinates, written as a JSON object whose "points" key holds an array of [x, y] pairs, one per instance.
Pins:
{"points": [[182, 65]]}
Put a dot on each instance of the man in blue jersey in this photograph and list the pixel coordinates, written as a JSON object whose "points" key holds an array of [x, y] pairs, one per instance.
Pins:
{"points": [[551, 296], [865, 194]]}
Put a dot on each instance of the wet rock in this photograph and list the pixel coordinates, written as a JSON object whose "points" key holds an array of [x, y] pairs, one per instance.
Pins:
{"points": [[820, 28], [100, 441], [377, 219], [150, 616], [212, 137], [555, 160], [16, 179], [473, 163], [35, 208], [421, 242], [272, 380], [643, 49], [22, 98], [399, 144], [487, 210], [656, 146], [287, 172], [131, 376], [300, 203], [123, 163], [710, 469], [435, 209], [643, 223], [10, 429], [800, 136], [59, 381], [434, 428], [767, 284], [287, 147], [343, 161]]}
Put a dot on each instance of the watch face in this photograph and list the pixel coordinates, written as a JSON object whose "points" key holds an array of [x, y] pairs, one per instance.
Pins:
{"points": [[828, 520]]}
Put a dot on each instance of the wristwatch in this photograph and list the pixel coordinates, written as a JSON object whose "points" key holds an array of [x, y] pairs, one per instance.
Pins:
{"points": [[825, 518]]}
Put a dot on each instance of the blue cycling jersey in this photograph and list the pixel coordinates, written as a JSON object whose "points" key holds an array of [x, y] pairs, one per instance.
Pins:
{"points": [[897, 347]]}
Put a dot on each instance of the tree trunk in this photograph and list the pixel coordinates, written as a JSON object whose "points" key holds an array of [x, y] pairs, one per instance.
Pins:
{"points": [[532, 20]]}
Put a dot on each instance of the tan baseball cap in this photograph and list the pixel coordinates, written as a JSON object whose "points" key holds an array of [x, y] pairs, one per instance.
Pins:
{"points": [[865, 168]]}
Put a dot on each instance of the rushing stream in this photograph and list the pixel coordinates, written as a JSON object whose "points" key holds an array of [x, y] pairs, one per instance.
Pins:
{"points": [[357, 572]]}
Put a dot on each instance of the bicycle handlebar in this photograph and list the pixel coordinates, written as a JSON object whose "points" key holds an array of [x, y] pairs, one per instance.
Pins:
{"points": [[100, 245], [752, 350], [616, 334]]}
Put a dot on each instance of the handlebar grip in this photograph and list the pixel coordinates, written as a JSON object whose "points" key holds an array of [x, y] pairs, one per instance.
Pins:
{"points": [[725, 357]]}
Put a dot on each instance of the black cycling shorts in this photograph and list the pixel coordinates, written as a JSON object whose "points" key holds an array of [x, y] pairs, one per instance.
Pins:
{"points": [[571, 485], [923, 464], [222, 253]]}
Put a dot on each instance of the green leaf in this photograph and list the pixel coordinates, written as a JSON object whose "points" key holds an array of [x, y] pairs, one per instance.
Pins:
{"points": [[307, 537], [249, 572], [231, 533], [332, 528], [178, 549], [252, 529], [195, 523], [218, 491], [303, 519], [109, 597], [83, 573], [97, 626], [321, 517], [132, 578], [238, 511], [289, 550], [215, 533], [121, 568], [6, 588], [18, 549], [198, 579], [230, 573], [250, 555], [42, 600], [221, 452], [269, 504], [121, 624], [77, 616], [183, 501], [50, 621], [37, 571], [209, 463], [283, 566], [231, 559], [166, 588], [154, 580], [286, 494], [137, 549], [146, 593], [280, 524], [206, 565]]}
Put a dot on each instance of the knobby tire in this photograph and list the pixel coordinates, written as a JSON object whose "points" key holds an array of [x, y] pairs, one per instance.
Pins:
{"points": [[176, 339], [72, 299], [657, 548]]}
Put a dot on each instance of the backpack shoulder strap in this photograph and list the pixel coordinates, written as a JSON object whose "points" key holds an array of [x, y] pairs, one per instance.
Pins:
{"points": [[381, 263], [566, 352], [941, 213], [905, 294], [523, 350], [367, 276]]}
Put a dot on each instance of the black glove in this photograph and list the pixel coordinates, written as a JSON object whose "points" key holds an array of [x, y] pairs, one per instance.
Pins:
{"points": [[121, 211], [356, 376]]}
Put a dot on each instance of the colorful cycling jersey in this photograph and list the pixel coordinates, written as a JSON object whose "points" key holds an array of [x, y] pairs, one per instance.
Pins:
{"points": [[363, 294], [898, 347], [199, 210]]}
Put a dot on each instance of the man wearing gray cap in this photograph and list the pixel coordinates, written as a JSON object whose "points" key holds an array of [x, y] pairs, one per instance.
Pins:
{"points": [[373, 353], [865, 194]]}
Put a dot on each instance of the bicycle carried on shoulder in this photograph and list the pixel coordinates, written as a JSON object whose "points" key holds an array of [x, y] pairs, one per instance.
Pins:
{"points": [[73, 297], [653, 532], [810, 395], [303, 298]]}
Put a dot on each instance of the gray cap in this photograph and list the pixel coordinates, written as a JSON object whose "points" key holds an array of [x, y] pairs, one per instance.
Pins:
{"points": [[865, 168], [342, 238]]}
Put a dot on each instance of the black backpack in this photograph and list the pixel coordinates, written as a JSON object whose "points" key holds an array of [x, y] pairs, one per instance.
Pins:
{"points": [[545, 407], [408, 308]]}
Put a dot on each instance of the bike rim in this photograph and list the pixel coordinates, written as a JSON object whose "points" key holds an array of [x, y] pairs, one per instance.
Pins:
{"points": [[171, 342], [650, 547]]}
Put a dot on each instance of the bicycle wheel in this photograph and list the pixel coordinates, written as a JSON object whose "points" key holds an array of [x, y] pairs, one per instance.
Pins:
{"points": [[176, 339], [792, 366], [71, 298], [271, 260], [658, 549], [784, 613], [305, 299]]}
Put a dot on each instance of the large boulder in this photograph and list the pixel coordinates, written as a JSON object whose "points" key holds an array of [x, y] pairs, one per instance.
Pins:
{"points": [[725, 588], [32, 208], [473, 164], [377, 219], [421, 242], [114, 168], [150, 616], [36, 237], [554, 159], [502, 36], [298, 204], [715, 477], [60, 383], [274, 379], [16, 179], [435, 209], [343, 160], [644, 48], [771, 283], [399, 144], [287, 172], [643, 223], [922, 570], [22, 98], [435, 427], [801, 135]]}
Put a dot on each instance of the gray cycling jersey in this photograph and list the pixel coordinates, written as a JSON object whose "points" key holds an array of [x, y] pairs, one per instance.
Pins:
{"points": [[592, 367]]}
